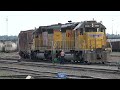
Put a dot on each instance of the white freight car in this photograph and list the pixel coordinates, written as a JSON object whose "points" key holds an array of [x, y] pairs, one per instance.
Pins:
{"points": [[10, 46], [1, 46]]}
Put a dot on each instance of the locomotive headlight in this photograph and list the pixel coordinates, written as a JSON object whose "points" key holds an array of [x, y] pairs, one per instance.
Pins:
{"points": [[105, 49], [91, 49]]}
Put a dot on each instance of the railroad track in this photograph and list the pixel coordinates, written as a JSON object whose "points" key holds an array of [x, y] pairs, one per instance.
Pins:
{"points": [[99, 64], [36, 74], [58, 66]]}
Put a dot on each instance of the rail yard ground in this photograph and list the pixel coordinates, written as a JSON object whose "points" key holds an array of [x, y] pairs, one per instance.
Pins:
{"points": [[11, 74], [12, 55], [115, 56]]}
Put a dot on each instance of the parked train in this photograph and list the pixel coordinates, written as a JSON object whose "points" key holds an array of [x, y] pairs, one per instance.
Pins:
{"points": [[8, 46], [1, 46], [25, 41], [115, 43], [81, 41]]}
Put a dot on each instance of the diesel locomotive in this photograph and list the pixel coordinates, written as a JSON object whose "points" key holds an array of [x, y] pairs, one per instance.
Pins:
{"points": [[84, 41]]}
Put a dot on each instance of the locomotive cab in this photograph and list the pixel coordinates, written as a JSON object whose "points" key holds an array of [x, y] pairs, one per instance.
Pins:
{"points": [[95, 35], [92, 41]]}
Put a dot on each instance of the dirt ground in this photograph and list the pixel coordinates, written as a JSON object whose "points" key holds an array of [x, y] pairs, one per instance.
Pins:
{"points": [[13, 55], [115, 57]]}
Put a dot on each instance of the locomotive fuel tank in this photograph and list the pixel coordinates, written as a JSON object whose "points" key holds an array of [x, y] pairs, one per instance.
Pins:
{"points": [[69, 56], [40, 55]]}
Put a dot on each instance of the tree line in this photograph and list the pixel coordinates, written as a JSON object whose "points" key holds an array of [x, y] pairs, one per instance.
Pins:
{"points": [[113, 36], [6, 37], [15, 38]]}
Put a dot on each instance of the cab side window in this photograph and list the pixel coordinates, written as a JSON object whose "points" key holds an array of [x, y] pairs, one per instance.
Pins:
{"points": [[81, 31]]}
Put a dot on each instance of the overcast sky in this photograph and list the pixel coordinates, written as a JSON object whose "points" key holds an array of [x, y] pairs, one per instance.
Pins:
{"points": [[25, 20]]}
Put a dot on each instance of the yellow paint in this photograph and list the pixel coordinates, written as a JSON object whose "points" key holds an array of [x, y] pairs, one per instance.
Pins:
{"points": [[40, 42], [81, 42], [57, 39], [37, 41], [92, 40], [70, 38], [87, 41], [34, 42], [33, 45]]}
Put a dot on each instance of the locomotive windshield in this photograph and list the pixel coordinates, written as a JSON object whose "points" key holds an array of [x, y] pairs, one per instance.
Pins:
{"points": [[94, 30], [91, 30], [94, 27]]}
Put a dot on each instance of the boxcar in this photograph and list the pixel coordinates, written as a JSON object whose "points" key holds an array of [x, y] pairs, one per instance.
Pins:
{"points": [[24, 43]]}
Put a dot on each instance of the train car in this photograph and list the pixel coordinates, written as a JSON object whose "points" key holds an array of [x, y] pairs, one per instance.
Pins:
{"points": [[115, 46], [1, 46], [25, 40], [82, 42], [10, 46]]}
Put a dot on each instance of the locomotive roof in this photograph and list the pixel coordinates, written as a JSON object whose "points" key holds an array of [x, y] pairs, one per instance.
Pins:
{"points": [[71, 25], [55, 26], [82, 24]]}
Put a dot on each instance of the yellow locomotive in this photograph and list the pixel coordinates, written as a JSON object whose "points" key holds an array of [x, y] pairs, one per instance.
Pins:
{"points": [[82, 42]]}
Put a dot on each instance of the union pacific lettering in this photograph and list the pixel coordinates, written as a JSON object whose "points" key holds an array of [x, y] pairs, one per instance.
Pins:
{"points": [[95, 35]]}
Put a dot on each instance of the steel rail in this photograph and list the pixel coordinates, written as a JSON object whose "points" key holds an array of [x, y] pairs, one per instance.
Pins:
{"points": [[39, 74], [80, 68]]}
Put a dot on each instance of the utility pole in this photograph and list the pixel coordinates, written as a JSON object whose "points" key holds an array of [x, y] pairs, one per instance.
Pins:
{"points": [[7, 26], [112, 28]]}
